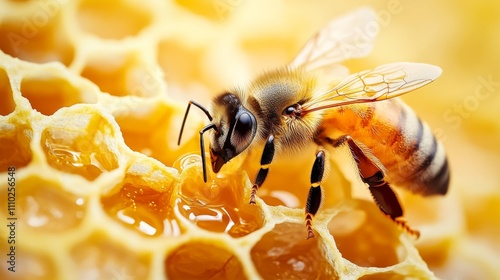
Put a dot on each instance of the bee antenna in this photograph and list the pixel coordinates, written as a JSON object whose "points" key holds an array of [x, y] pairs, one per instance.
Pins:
{"points": [[202, 148], [186, 114]]}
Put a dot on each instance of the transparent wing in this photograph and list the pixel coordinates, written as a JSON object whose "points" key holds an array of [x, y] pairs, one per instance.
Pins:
{"points": [[347, 37], [384, 82]]}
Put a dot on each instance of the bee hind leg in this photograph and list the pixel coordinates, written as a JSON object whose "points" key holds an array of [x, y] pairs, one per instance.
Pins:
{"points": [[265, 161], [315, 194], [374, 177]]}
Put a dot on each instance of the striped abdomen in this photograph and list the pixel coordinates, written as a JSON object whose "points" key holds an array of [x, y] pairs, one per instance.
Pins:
{"points": [[411, 154]]}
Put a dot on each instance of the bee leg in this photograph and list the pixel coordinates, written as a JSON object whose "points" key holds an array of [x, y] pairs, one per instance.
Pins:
{"points": [[266, 159], [315, 194], [381, 191]]}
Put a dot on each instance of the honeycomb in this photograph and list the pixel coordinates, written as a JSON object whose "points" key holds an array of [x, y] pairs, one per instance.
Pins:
{"points": [[92, 98]]}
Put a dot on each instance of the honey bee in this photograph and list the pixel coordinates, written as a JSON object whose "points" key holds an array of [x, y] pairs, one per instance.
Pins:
{"points": [[286, 109]]}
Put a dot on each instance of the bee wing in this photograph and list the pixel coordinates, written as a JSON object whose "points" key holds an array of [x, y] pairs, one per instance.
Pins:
{"points": [[347, 37], [384, 82]]}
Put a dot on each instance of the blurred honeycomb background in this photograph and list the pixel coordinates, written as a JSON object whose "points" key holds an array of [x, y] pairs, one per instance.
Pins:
{"points": [[92, 95]]}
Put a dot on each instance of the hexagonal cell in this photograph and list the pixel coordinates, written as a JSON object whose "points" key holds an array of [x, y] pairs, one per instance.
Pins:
{"points": [[288, 181], [99, 257], [48, 93], [283, 253], [203, 260], [143, 200], [366, 237], [15, 139], [237, 222], [80, 143], [41, 267], [38, 36], [112, 20], [42, 206], [7, 105], [219, 205], [122, 74], [150, 128]]}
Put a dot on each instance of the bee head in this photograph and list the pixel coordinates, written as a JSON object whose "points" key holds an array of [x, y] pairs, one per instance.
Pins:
{"points": [[235, 129]]}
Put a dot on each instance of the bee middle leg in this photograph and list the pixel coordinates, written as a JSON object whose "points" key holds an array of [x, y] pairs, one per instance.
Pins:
{"points": [[374, 177], [265, 161], [315, 194]]}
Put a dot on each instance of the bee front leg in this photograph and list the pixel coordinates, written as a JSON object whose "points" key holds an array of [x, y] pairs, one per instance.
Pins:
{"points": [[373, 176], [315, 194], [265, 161]]}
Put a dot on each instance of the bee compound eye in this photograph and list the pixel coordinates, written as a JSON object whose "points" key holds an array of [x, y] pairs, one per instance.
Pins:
{"points": [[242, 133], [244, 124]]}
